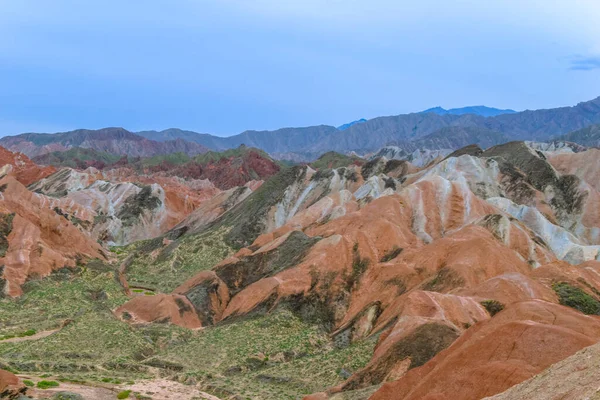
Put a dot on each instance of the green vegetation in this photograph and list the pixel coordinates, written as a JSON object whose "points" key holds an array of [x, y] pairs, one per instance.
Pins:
{"points": [[333, 160], [171, 159], [390, 255], [493, 307], [574, 297], [267, 357], [135, 206], [5, 229], [246, 221], [359, 267], [29, 332], [77, 157], [214, 156], [174, 263], [445, 279], [27, 382], [47, 384], [264, 356], [124, 394]]}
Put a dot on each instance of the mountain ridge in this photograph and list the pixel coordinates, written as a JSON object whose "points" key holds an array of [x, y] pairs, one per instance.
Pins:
{"points": [[483, 111], [307, 143]]}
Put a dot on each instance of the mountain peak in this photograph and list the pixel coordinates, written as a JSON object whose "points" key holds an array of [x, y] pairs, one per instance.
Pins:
{"points": [[483, 111], [349, 124]]}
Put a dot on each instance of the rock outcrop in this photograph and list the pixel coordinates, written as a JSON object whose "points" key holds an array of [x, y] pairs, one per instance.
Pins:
{"points": [[10, 386]]}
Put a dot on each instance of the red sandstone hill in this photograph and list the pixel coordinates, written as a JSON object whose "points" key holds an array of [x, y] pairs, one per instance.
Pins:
{"points": [[25, 170], [464, 269], [225, 170], [34, 239]]}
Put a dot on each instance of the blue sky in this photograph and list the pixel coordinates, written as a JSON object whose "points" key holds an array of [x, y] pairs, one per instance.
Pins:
{"points": [[223, 66]]}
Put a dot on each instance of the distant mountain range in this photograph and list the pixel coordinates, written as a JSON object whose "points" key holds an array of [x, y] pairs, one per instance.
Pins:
{"points": [[116, 141], [408, 131], [482, 111]]}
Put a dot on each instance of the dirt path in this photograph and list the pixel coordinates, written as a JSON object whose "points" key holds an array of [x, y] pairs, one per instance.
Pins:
{"points": [[154, 388], [39, 335], [88, 392]]}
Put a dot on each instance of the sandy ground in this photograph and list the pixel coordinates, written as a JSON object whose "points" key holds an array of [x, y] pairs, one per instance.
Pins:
{"points": [[164, 389]]}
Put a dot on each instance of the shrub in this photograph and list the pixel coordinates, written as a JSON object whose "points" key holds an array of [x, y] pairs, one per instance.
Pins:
{"points": [[390, 255], [124, 394], [574, 297], [27, 382], [47, 384], [359, 267], [492, 306]]}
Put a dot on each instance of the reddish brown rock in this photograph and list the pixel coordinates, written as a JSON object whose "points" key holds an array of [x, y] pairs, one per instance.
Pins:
{"points": [[36, 239], [10, 385], [574, 378], [160, 308], [25, 170], [492, 356]]}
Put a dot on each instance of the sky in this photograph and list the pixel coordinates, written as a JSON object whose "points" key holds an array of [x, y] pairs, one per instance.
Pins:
{"points": [[224, 66]]}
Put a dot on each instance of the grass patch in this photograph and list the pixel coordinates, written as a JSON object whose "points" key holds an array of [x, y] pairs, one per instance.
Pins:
{"points": [[271, 356], [574, 297], [177, 262], [28, 332], [124, 394], [27, 382], [47, 384]]}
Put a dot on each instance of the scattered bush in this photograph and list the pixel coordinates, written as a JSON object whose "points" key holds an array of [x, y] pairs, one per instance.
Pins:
{"points": [[574, 297], [390, 255], [27, 382], [359, 267], [47, 384], [492, 306]]}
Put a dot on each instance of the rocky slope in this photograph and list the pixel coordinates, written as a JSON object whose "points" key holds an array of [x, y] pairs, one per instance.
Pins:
{"points": [[24, 170], [36, 240], [588, 136], [474, 273], [10, 386], [136, 199], [117, 209], [573, 378], [109, 140]]}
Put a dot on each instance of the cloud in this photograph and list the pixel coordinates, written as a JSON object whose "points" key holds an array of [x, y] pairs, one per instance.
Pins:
{"points": [[581, 63]]}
